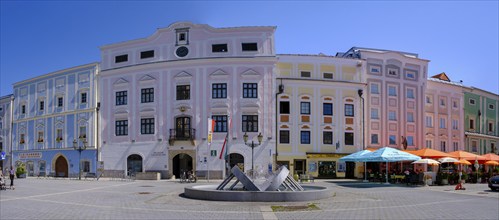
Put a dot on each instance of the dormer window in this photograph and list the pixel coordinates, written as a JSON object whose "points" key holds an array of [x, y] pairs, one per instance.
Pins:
{"points": [[182, 36], [305, 74], [218, 48], [249, 47], [146, 54]]}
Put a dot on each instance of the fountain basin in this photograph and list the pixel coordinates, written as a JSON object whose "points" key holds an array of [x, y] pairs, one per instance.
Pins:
{"points": [[209, 192]]}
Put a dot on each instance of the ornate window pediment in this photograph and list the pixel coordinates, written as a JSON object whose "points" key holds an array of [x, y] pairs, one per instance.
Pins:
{"points": [[120, 82], [219, 74], [250, 73], [183, 75], [147, 79]]}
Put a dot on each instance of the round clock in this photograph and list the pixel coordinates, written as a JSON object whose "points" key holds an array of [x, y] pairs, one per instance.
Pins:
{"points": [[182, 51]]}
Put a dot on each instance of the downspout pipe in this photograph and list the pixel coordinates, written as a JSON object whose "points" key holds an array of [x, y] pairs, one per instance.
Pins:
{"points": [[280, 90]]}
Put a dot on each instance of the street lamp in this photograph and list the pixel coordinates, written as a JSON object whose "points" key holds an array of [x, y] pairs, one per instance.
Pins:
{"points": [[361, 92], [252, 145], [79, 148]]}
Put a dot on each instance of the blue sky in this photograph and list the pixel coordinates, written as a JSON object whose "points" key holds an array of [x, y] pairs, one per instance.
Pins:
{"points": [[459, 37]]}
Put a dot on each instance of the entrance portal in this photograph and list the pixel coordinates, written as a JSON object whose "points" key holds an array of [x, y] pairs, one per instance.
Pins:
{"points": [[134, 164], [236, 159], [61, 167], [181, 162]]}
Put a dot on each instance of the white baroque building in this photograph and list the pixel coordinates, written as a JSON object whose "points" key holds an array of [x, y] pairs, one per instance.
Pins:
{"points": [[158, 93]]}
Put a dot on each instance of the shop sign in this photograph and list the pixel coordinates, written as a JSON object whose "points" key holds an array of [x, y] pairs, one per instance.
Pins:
{"points": [[31, 155], [158, 154]]}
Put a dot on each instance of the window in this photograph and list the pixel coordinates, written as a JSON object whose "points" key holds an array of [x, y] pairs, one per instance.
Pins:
{"points": [[428, 144], [250, 123], [284, 137], [374, 139], [40, 136], [121, 58], [374, 113], [121, 98], [442, 146], [183, 92], [41, 105], [216, 48], [392, 116], [375, 69], [410, 117], [392, 72], [474, 146], [442, 102], [491, 106], [58, 137], [374, 89], [85, 165], [410, 93], [305, 74], [305, 137], [284, 107], [428, 99], [146, 54], [442, 123], [429, 122], [349, 110], [392, 91], [83, 97], [22, 139], [327, 108], [491, 127], [392, 140], [455, 145], [410, 141], [454, 104], [249, 46], [121, 127], [181, 37], [60, 101], [305, 108], [327, 137], [220, 123], [219, 90], [410, 75], [455, 124], [83, 132], [472, 124], [250, 90], [472, 102], [147, 125], [147, 95], [23, 109], [348, 138], [328, 75]]}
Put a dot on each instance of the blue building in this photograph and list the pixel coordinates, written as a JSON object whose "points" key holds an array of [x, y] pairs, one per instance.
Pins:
{"points": [[55, 114]]}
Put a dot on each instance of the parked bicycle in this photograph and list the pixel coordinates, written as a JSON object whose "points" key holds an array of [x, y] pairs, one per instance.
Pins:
{"points": [[188, 177]]}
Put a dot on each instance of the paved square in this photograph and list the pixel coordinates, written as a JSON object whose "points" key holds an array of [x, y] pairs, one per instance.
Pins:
{"points": [[105, 199]]}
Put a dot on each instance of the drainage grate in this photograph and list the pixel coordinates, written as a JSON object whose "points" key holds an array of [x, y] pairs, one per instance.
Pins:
{"points": [[144, 193], [482, 193], [146, 186]]}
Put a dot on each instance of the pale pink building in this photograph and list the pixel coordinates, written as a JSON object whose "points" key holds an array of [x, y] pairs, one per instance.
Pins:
{"points": [[157, 93], [444, 114]]}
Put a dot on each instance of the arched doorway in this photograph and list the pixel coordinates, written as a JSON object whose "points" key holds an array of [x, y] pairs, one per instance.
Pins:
{"points": [[61, 167], [236, 159], [134, 163], [181, 162]]}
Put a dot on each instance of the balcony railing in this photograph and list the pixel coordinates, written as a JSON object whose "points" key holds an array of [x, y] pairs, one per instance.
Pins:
{"points": [[182, 135]]}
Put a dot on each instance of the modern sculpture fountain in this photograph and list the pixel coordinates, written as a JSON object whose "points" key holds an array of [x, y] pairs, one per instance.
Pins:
{"points": [[277, 187]]}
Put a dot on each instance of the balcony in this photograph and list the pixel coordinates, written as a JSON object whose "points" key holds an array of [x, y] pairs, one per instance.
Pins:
{"points": [[182, 135]]}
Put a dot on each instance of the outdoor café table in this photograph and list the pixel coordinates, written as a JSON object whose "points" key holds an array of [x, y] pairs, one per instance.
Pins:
{"points": [[398, 178]]}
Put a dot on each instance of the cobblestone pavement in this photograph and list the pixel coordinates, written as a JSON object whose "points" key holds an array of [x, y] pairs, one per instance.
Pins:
{"points": [[105, 199]]}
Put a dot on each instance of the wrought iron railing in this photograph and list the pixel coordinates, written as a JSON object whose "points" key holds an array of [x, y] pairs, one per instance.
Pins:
{"points": [[182, 134]]}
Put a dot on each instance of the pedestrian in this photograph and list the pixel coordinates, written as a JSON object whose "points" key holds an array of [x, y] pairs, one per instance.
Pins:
{"points": [[12, 178]]}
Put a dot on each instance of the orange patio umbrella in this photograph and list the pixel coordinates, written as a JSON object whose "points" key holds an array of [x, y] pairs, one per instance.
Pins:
{"points": [[491, 156], [463, 161], [491, 162], [430, 153], [466, 155]]}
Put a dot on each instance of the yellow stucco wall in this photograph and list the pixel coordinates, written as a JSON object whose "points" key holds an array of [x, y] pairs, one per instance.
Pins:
{"points": [[305, 67], [328, 92], [328, 68], [348, 72]]}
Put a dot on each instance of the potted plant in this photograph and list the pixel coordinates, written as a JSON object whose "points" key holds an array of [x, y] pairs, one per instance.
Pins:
{"points": [[445, 178], [464, 177], [21, 171]]}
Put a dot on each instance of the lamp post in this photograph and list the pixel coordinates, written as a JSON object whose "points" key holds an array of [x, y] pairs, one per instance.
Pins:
{"points": [[252, 145], [79, 148], [360, 92]]}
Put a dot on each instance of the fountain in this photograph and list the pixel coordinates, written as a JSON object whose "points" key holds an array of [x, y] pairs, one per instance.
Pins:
{"points": [[278, 187]]}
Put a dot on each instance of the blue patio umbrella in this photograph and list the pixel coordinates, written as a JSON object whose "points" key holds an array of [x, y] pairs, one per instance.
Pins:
{"points": [[355, 157], [388, 154]]}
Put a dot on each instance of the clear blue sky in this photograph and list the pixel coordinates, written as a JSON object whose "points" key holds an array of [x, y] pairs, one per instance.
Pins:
{"points": [[459, 37]]}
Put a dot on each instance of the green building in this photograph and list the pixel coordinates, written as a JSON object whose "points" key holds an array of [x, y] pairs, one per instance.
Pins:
{"points": [[481, 121]]}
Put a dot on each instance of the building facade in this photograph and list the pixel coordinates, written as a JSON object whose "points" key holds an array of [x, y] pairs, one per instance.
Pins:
{"points": [[481, 121], [5, 131], [318, 113], [53, 114], [159, 92], [444, 114], [394, 103]]}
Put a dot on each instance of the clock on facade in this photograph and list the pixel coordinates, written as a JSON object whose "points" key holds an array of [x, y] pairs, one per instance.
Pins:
{"points": [[182, 51]]}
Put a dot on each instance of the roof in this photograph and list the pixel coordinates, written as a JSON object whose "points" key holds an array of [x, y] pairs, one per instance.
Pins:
{"points": [[354, 52]]}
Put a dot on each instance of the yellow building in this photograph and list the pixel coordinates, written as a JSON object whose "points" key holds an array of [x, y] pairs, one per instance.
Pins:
{"points": [[319, 114]]}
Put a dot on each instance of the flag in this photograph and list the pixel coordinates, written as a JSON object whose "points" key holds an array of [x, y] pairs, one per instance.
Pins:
{"points": [[225, 141]]}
